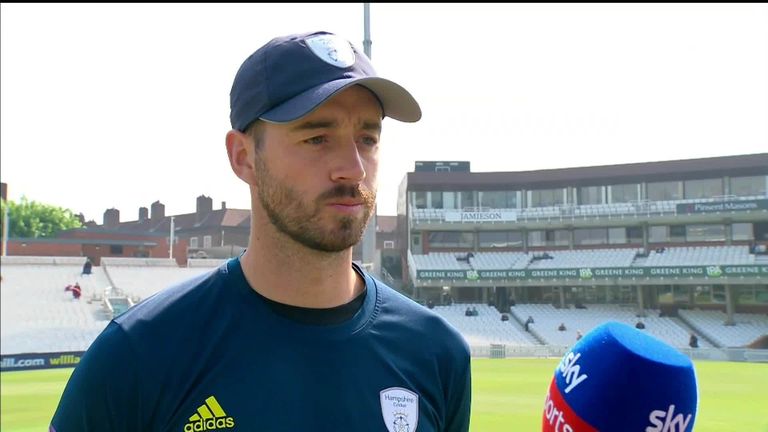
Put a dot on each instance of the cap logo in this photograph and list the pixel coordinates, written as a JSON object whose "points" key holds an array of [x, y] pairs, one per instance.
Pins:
{"points": [[332, 49]]}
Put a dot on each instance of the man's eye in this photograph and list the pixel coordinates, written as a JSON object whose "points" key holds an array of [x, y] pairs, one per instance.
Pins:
{"points": [[369, 140], [317, 140]]}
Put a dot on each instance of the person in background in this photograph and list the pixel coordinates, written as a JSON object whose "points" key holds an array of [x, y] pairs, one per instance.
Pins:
{"points": [[87, 267], [76, 291], [693, 342]]}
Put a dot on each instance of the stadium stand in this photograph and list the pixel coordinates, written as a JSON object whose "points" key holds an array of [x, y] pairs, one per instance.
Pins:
{"points": [[700, 255], [139, 278], [38, 315], [547, 319], [746, 328], [485, 328]]}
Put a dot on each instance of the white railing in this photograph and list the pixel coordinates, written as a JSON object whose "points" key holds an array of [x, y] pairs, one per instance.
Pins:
{"points": [[555, 351], [572, 212]]}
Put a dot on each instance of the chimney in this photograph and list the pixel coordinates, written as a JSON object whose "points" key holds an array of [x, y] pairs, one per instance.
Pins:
{"points": [[143, 214], [223, 205], [111, 218], [204, 205], [158, 212]]}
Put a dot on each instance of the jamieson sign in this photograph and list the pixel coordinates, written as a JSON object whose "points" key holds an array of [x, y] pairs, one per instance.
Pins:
{"points": [[711, 272]]}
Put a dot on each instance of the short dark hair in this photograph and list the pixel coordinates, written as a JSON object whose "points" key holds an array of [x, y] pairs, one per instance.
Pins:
{"points": [[256, 131]]}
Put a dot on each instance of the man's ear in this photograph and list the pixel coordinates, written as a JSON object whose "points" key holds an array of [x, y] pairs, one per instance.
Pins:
{"points": [[240, 148]]}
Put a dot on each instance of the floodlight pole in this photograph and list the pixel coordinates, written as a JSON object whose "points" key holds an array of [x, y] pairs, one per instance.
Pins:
{"points": [[6, 219], [367, 29], [368, 244], [170, 246]]}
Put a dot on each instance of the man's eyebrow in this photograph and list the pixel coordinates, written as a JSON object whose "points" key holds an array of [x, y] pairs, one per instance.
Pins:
{"points": [[317, 124], [327, 124], [372, 126]]}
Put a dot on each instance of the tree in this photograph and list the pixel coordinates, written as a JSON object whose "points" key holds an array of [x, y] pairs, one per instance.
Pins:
{"points": [[31, 219]]}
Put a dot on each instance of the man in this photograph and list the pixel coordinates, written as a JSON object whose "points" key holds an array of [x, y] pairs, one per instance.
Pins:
{"points": [[76, 291], [693, 341], [292, 335]]}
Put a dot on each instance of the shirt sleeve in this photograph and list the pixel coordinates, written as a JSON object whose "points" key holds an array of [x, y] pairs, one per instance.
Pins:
{"points": [[460, 398], [102, 393]]}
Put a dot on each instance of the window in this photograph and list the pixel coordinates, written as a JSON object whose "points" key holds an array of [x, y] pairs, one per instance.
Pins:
{"points": [[706, 188], [748, 186], [635, 235], [420, 199], [500, 239], [193, 242], [665, 191], [590, 195], [546, 197], [467, 199], [536, 238], [558, 237], [742, 231], [389, 244], [590, 236], [436, 199], [442, 239], [498, 199], [206, 241], [696, 233], [416, 240], [658, 234], [449, 200], [625, 235], [549, 238], [617, 235], [677, 233], [492, 238], [624, 193], [115, 249]]}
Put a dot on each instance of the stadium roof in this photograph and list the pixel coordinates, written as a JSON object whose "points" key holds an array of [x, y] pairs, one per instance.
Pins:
{"points": [[741, 165]]}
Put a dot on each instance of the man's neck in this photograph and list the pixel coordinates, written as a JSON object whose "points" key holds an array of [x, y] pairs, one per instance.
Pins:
{"points": [[288, 272]]}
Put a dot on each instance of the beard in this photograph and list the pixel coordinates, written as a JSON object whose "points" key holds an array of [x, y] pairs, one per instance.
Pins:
{"points": [[303, 221]]}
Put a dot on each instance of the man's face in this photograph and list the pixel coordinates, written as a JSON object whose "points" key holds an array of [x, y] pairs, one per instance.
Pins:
{"points": [[316, 176]]}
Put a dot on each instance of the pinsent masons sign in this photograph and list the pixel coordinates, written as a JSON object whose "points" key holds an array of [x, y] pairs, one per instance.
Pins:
{"points": [[484, 216], [709, 272], [725, 206]]}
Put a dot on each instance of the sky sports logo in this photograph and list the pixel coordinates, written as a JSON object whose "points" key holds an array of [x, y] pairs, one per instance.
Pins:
{"points": [[667, 421]]}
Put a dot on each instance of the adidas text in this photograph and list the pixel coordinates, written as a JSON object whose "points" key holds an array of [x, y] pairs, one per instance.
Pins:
{"points": [[210, 424]]}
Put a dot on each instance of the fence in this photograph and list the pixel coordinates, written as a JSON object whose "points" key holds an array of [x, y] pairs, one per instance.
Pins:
{"points": [[554, 351]]}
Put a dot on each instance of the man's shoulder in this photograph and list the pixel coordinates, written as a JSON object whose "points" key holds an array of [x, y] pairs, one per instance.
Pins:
{"points": [[396, 306], [175, 304]]}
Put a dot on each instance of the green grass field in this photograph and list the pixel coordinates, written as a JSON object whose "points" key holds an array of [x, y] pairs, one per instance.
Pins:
{"points": [[508, 395]]}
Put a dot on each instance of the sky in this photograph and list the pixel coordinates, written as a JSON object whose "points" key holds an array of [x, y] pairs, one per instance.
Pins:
{"points": [[121, 105]]}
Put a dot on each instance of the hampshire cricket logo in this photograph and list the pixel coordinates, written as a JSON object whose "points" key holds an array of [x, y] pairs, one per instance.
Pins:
{"points": [[209, 417]]}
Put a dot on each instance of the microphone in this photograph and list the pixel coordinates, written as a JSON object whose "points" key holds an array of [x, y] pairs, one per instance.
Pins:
{"points": [[617, 378]]}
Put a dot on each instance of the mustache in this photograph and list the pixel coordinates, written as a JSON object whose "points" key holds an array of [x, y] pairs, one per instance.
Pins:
{"points": [[349, 191]]}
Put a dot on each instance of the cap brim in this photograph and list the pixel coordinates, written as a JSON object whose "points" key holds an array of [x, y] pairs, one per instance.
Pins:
{"points": [[396, 101]]}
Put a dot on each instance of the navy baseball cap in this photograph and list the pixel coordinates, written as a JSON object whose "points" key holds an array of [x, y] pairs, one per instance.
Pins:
{"points": [[290, 76]]}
